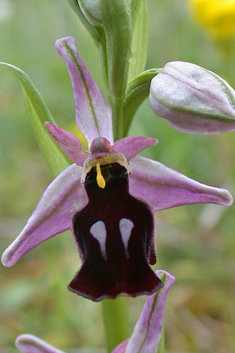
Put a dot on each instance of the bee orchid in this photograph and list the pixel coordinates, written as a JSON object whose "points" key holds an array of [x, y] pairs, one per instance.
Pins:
{"points": [[107, 197]]}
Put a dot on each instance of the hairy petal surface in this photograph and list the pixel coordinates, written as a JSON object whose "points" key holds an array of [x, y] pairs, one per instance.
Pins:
{"points": [[192, 99], [130, 146], [93, 114], [147, 332], [69, 143], [32, 344], [53, 214], [116, 246], [164, 187]]}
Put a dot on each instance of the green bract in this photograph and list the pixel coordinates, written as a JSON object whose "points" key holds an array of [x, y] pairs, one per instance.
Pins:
{"points": [[92, 11], [139, 43]]}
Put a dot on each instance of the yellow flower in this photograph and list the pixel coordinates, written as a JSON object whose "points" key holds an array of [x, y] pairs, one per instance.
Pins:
{"points": [[218, 16]]}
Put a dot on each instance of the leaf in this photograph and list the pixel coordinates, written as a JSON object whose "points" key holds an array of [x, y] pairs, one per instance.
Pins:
{"points": [[139, 44], [39, 113]]}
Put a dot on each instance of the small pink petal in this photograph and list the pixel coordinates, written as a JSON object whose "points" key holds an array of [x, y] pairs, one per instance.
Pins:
{"points": [[69, 143], [93, 113], [164, 188], [32, 344], [121, 347], [53, 214], [130, 146]]}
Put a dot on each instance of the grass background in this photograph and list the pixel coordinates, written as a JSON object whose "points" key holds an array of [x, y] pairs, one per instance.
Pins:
{"points": [[195, 243]]}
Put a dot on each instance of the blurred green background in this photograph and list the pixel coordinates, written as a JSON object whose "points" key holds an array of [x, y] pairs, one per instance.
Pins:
{"points": [[195, 243]]}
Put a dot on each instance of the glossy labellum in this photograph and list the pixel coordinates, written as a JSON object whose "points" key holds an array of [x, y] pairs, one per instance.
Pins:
{"points": [[114, 234]]}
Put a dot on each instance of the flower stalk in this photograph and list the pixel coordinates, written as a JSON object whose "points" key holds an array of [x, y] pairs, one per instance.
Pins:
{"points": [[116, 322]]}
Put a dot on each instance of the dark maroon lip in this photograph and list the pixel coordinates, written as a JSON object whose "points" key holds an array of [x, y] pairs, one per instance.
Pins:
{"points": [[114, 234]]}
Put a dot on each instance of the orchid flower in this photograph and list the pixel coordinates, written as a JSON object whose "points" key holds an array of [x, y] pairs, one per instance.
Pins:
{"points": [[107, 197], [147, 331]]}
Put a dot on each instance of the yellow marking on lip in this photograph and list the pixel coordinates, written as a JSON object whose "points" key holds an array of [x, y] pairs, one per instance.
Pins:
{"points": [[99, 178]]}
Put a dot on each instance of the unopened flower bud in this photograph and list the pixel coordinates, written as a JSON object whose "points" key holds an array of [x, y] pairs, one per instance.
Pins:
{"points": [[192, 99], [92, 11]]}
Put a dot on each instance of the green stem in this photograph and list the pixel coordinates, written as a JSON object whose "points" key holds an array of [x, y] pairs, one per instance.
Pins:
{"points": [[116, 324], [161, 346], [117, 117]]}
